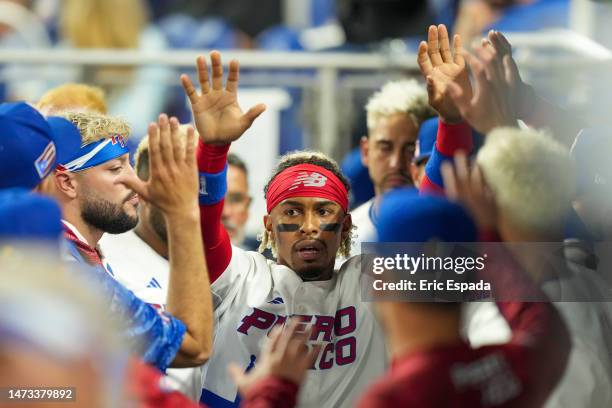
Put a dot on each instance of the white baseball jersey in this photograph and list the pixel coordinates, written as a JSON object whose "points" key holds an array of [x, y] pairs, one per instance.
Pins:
{"points": [[254, 294], [366, 231], [143, 271]]}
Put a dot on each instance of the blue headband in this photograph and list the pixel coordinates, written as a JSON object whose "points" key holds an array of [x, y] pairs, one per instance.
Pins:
{"points": [[97, 153]]}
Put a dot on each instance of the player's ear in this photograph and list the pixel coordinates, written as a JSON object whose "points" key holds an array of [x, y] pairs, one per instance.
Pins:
{"points": [[267, 220], [66, 183], [364, 149]]}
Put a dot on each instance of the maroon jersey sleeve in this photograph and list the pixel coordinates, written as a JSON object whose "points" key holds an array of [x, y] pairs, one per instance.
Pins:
{"points": [[271, 392], [540, 343]]}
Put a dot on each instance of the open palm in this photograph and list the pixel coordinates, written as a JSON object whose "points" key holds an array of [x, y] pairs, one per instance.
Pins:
{"points": [[441, 67], [217, 115]]}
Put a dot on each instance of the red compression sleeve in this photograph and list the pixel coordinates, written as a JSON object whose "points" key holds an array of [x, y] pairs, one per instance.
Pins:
{"points": [[450, 139], [212, 159]]}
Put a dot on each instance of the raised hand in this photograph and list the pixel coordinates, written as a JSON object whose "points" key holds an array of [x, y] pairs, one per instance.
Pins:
{"points": [[490, 105], [284, 356], [470, 189], [173, 180], [440, 67], [217, 115], [521, 94]]}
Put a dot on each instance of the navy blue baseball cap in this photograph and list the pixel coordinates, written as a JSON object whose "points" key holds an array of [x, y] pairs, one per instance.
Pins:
{"points": [[408, 217], [31, 146], [427, 139], [29, 216]]}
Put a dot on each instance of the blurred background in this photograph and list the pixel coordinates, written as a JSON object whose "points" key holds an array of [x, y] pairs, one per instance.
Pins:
{"points": [[313, 62]]}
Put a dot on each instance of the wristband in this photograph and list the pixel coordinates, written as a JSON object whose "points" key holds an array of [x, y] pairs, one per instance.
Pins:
{"points": [[213, 187]]}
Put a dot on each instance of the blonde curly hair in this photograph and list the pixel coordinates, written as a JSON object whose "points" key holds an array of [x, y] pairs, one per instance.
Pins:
{"points": [[95, 126], [318, 159]]}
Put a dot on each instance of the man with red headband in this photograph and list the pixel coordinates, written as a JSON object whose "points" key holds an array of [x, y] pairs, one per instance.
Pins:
{"points": [[307, 225]]}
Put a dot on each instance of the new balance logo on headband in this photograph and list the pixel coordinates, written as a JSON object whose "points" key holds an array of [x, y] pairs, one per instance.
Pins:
{"points": [[313, 179]]}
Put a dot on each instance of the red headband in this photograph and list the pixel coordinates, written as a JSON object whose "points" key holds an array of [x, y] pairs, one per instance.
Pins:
{"points": [[306, 180]]}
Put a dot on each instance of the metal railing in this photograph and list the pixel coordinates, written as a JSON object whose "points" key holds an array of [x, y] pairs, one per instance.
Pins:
{"points": [[579, 50]]}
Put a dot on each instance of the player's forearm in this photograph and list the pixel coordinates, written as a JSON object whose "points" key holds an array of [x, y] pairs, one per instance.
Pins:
{"points": [[535, 323], [189, 294], [520, 300], [212, 161]]}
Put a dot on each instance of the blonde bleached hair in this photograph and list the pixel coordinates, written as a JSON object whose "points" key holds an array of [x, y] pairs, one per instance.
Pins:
{"points": [[532, 176], [73, 97], [319, 159], [95, 126], [404, 96]]}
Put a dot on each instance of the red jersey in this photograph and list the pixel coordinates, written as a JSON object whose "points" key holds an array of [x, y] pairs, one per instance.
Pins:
{"points": [[144, 387], [521, 373]]}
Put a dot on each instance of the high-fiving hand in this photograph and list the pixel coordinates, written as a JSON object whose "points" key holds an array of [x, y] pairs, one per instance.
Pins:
{"points": [[285, 355], [217, 115], [469, 188], [494, 101], [440, 67], [173, 174]]}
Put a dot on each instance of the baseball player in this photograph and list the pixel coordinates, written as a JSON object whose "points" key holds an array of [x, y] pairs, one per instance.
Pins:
{"points": [[394, 116], [146, 271], [106, 375], [307, 225], [91, 189], [432, 365]]}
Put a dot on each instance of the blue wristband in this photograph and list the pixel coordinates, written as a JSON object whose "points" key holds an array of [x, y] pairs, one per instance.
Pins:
{"points": [[213, 187]]}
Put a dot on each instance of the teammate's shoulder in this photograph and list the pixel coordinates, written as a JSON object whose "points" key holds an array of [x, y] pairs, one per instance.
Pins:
{"points": [[353, 262], [242, 257], [363, 210], [119, 241]]}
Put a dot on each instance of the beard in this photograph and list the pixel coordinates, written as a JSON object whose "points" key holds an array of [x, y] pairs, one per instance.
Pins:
{"points": [[158, 224], [107, 216]]}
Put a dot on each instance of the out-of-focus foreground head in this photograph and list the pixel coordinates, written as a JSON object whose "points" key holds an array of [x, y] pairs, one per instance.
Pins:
{"points": [[533, 179], [55, 329], [406, 216], [56, 332], [31, 146], [394, 115]]}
